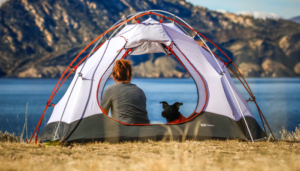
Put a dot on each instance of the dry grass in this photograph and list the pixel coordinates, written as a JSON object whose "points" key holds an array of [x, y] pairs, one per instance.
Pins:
{"points": [[6, 137], [188, 155], [156, 156], [290, 136]]}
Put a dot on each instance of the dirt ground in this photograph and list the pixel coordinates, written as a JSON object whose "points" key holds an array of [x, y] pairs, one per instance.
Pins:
{"points": [[152, 155]]}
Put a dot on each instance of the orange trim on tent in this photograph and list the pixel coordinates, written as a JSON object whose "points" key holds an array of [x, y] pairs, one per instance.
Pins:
{"points": [[121, 23], [161, 20], [124, 38], [190, 118], [170, 48]]}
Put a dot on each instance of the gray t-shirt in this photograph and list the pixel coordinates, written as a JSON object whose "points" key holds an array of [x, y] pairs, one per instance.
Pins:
{"points": [[127, 103]]}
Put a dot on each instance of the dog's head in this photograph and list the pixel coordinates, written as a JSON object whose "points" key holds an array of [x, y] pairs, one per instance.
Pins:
{"points": [[171, 112]]}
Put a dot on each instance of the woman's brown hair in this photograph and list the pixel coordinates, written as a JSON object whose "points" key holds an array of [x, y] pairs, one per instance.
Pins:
{"points": [[122, 70]]}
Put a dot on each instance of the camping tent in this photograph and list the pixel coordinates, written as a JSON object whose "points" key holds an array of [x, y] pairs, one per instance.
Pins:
{"points": [[221, 112]]}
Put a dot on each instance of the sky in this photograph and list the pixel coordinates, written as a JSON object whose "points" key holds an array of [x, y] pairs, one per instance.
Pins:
{"points": [[285, 8]]}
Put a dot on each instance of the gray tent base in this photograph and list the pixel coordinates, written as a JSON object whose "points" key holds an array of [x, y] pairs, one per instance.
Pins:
{"points": [[99, 127]]}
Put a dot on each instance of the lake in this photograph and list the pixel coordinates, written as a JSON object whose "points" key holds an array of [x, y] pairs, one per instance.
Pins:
{"points": [[278, 98]]}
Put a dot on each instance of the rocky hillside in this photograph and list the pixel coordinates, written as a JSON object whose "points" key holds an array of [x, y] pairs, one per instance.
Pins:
{"points": [[296, 19], [40, 37]]}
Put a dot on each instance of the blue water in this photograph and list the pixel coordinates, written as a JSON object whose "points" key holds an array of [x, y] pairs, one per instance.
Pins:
{"points": [[279, 99], [169, 90]]}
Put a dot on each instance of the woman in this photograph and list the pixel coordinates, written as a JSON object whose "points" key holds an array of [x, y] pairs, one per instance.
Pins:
{"points": [[126, 101]]}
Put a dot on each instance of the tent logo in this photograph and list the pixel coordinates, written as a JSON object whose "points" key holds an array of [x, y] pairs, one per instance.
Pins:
{"points": [[206, 125]]}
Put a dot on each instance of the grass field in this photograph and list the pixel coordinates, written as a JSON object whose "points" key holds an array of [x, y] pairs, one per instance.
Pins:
{"points": [[154, 155], [157, 156]]}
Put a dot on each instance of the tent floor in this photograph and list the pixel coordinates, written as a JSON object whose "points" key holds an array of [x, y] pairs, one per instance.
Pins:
{"points": [[101, 128]]}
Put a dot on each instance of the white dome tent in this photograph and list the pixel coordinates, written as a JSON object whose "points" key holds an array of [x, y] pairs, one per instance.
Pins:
{"points": [[221, 112]]}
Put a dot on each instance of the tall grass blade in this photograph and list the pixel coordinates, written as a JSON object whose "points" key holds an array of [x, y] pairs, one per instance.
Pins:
{"points": [[9, 125], [26, 117], [18, 123], [196, 129], [168, 133], [24, 127], [290, 136], [185, 132]]}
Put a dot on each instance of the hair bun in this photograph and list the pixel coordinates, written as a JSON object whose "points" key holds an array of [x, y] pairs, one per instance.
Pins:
{"points": [[122, 70], [121, 64]]}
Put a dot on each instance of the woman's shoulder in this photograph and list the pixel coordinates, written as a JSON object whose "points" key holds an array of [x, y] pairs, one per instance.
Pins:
{"points": [[117, 86], [111, 87], [123, 86], [136, 87]]}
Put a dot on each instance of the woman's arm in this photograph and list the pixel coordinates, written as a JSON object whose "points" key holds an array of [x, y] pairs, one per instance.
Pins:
{"points": [[106, 101]]}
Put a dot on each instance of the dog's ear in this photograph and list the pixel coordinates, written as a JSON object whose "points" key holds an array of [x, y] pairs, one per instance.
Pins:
{"points": [[177, 104], [165, 104]]}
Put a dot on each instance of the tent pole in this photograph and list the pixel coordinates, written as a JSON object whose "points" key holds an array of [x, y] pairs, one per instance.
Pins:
{"points": [[223, 73], [239, 108], [264, 119], [116, 31], [251, 95], [230, 89], [74, 86], [182, 29], [259, 112]]}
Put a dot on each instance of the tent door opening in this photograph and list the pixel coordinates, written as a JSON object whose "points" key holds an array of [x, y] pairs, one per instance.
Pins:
{"points": [[171, 50], [165, 86]]}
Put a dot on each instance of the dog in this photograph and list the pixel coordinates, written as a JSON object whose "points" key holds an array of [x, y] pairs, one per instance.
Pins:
{"points": [[171, 113]]}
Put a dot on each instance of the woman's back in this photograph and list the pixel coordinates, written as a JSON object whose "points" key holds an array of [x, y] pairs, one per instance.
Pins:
{"points": [[127, 103]]}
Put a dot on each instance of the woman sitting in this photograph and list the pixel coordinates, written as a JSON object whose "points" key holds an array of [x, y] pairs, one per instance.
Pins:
{"points": [[126, 101]]}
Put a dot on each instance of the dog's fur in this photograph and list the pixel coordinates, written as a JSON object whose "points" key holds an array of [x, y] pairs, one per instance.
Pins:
{"points": [[171, 113]]}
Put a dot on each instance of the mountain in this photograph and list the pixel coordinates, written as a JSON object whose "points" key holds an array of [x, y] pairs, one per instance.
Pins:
{"points": [[254, 14], [260, 15], [296, 19], [39, 38], [2, 1]]}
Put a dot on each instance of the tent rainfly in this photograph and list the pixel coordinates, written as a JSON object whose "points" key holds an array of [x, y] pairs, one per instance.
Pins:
{"points": [[221, 112]]}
